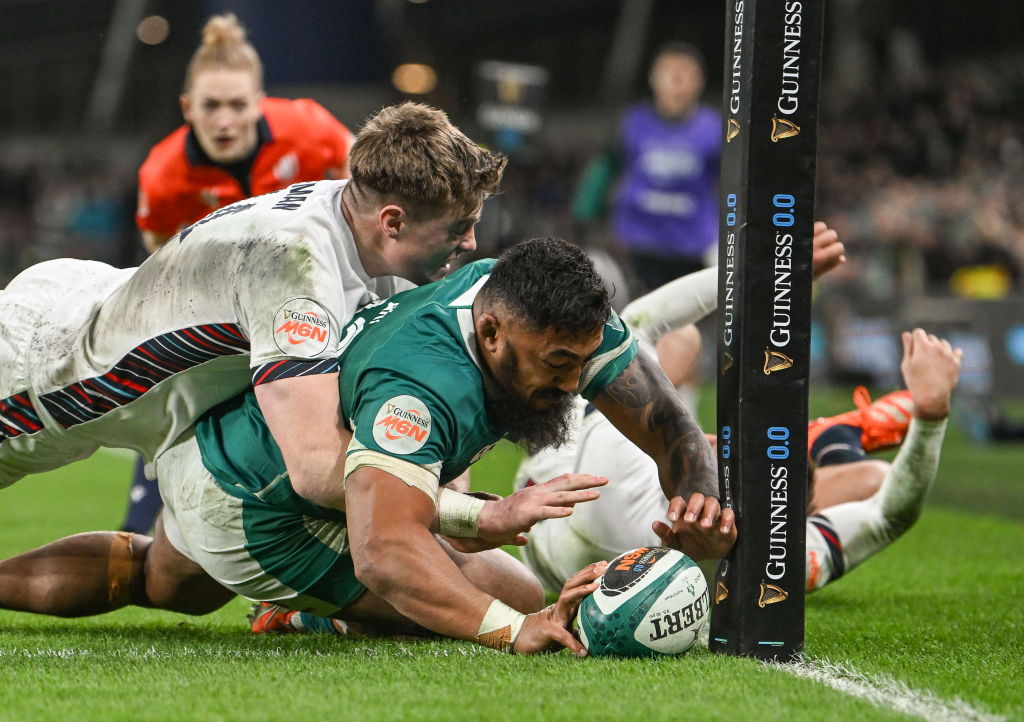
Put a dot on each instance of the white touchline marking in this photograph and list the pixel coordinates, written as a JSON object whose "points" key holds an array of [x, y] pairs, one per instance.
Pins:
{"points": [[887, 693]]}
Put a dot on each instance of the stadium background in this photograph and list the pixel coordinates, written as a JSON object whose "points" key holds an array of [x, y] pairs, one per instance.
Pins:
{"points": [[920, 162], [921, 169]]}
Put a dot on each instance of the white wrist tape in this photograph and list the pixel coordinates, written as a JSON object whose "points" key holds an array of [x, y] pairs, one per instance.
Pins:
{"points": [[500, 627], [458, 514]]}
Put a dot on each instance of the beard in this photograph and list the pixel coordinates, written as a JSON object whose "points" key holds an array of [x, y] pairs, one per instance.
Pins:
{"points": [[523, 424]]}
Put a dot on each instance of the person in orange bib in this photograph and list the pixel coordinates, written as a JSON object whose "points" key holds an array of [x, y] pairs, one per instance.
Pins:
{"points": [[236, 142]]}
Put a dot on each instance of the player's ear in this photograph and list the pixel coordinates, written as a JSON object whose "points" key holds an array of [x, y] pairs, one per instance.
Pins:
{"points": [[186, 107], [391, 219], [488, 329]]}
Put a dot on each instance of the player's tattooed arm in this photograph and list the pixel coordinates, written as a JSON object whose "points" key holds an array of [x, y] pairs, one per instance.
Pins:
{"points": [[643, 405]]}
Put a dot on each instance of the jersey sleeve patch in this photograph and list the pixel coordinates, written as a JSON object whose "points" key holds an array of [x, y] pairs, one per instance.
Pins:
{"points": [[265, 373], [618, 349], [402, 425], [302, 328]]}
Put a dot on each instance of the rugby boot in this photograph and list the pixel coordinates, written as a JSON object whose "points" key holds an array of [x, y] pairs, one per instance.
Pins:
{"points": [[268, 618], [883, 422]]}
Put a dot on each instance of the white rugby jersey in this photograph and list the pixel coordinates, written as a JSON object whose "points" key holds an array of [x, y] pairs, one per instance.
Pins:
{"points": [[130, 358], [621, 518]]}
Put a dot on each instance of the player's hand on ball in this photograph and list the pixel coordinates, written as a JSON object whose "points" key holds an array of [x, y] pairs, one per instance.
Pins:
{"points": [[701, 529], [504, 521], [550, 629]]}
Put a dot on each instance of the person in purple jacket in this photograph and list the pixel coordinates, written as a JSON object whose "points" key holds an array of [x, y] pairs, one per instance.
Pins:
{"points": [[665, 210]]}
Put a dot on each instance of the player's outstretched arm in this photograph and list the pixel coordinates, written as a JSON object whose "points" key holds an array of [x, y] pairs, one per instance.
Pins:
{"points": [[398, 558], [930, 367], [303, 415], [642, 404]]}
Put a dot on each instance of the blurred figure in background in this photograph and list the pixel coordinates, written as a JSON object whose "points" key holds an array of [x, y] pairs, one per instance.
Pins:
{"points": [[236, 143], [665, 210]]}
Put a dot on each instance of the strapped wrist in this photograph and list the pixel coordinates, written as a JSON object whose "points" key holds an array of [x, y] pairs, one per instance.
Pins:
{"points": [[500, 627], [458, 514]]}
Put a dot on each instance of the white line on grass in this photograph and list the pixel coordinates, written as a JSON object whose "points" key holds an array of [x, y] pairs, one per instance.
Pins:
{"points": [[887, 693]]}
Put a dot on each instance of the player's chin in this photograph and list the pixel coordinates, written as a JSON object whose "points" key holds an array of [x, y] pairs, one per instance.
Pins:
{"points": [[438, 273]]}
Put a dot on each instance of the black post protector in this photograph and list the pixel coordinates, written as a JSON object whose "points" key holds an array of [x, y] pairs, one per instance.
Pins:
{"points": [[772, 69]]}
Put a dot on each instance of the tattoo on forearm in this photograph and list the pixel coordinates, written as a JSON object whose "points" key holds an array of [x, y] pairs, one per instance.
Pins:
{"points": [[687, 464]]}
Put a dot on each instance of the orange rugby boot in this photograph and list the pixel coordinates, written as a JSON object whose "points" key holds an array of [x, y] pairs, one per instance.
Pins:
{"points": [[883, 423]]}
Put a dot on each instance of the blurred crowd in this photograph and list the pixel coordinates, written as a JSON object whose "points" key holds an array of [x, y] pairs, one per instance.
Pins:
{"points": [[65, 208], [923, 176]]}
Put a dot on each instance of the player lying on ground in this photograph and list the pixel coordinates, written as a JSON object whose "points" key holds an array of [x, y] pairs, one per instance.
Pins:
{"points": [[858, 506], [431, 379], [255, 294]]}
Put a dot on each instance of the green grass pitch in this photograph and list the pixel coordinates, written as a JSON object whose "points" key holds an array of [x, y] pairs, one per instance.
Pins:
{"points": [[934, 625]]}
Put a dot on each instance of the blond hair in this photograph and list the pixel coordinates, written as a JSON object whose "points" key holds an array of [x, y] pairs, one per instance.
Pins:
{"points": [[412, 154], [224, 46]]}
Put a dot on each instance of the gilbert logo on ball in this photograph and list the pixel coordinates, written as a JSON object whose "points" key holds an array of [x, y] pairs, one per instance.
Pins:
{"points": [[652, 601], [302, 328], [402, 425]]}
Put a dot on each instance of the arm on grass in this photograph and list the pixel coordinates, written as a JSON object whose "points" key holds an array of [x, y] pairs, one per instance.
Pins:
{"points": [[397, 557]]}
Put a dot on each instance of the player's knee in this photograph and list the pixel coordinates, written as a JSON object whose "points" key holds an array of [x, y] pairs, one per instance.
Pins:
{"points": [[126, 569]]}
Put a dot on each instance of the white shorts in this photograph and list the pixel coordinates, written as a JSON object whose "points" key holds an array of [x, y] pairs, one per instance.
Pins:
{"points": [[597, 530], [251, 548], [30, 440]]}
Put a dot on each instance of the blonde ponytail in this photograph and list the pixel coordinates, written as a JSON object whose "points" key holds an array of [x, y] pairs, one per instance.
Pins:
{"points": [[224, 46]]}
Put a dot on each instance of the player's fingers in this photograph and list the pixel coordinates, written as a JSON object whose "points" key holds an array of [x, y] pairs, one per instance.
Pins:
{"points": [[568, 498], [711, 511], [586, 575], [908, 343], [665, 533], [567, 640], [693, 507], [573, 482], [675, 508], [727, 521]]}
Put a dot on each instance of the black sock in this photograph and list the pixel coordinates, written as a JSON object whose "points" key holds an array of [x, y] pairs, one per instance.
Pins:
{"points": [[144, 502], [839, 444]]}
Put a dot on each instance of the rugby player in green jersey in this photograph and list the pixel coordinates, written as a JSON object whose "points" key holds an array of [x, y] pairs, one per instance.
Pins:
{"points": [[430, 380]]}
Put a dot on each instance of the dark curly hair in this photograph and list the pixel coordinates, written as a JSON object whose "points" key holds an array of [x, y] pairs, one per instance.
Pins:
{"points": [[549, 283]]}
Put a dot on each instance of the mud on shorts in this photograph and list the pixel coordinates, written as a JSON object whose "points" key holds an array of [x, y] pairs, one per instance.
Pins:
{"points": [[31, 440], [259, 551]]}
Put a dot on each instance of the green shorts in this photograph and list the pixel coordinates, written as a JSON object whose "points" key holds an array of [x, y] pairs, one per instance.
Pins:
{"points": [[258, 550]]}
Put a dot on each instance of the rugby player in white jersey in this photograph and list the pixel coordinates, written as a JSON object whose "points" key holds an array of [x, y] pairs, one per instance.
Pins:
{"points": [[255, 294], [430, 380]]}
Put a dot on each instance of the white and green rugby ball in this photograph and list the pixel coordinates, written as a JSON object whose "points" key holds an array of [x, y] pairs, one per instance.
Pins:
{"points": [[652, 601]]}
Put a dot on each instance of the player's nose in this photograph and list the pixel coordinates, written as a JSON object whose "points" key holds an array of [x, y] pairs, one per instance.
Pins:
{"points": [[468, 241]]}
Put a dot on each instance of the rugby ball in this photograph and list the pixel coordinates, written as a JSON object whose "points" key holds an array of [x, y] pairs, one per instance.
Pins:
{"points": [[652, 601]]}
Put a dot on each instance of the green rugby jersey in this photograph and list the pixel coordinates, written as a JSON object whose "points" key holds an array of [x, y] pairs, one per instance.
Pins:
{"points": [[411, 388]]}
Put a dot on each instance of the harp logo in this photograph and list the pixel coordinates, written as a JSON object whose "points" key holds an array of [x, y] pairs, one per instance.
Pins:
{"points": [[775, 361], [782, 128], [771, 594], [732, 129], [721, 592]]}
